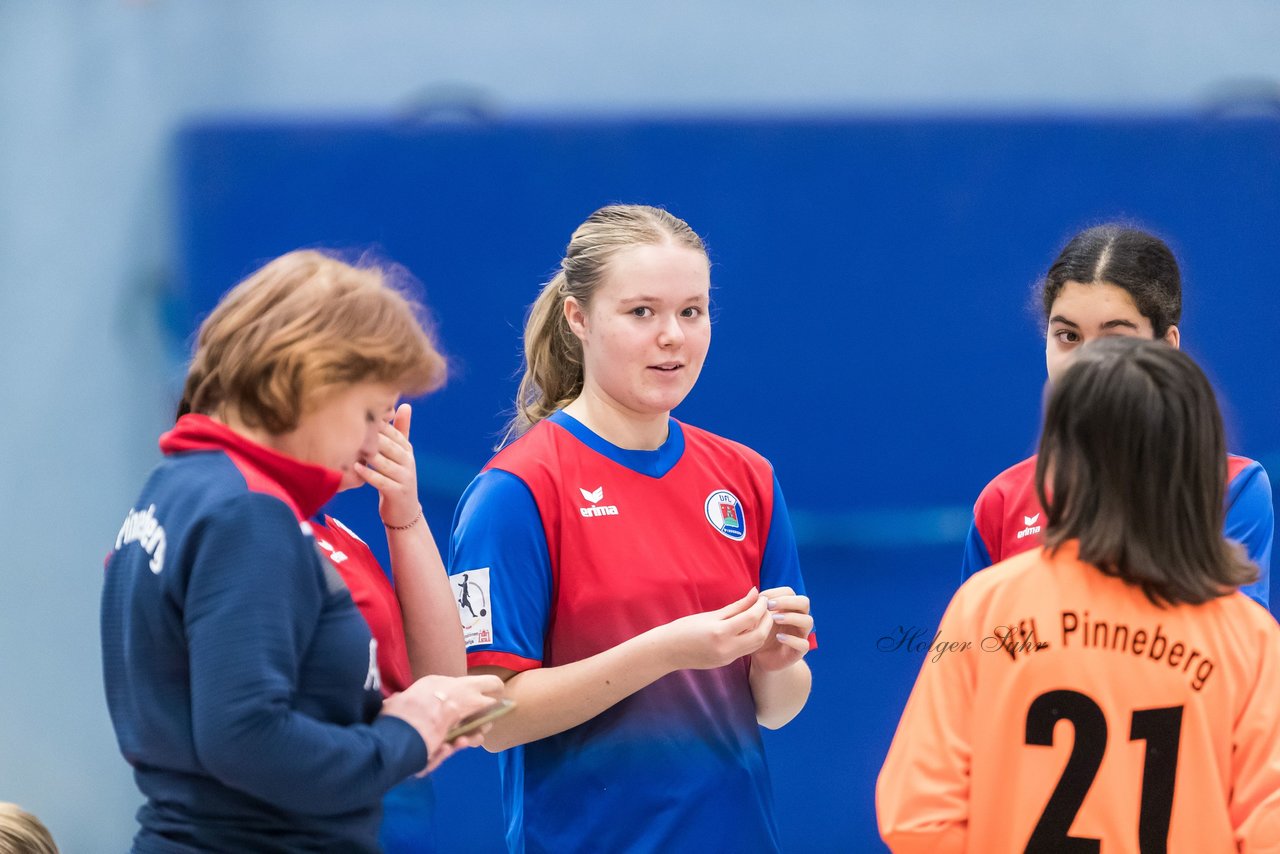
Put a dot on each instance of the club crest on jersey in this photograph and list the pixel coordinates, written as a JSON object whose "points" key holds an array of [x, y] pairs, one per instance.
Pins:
{"points": [[471, 594], [595, 496], [724, 512]]}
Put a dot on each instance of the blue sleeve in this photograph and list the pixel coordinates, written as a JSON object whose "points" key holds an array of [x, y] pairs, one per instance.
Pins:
{"points": [[1251, 522], [780, 566], [499, 543], [975, 553], [252, 604]]}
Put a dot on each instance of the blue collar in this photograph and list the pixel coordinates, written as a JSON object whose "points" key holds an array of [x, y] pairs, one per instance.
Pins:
{"points": [[651, 463]]}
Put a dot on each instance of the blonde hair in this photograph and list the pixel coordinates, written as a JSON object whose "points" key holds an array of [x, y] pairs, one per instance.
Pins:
{"points": [[304, 324], [22, 833], [553, 373]]}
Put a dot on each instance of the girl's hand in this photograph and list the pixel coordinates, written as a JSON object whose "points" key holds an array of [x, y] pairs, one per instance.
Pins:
{"points": [[716, 638], [792, 624]]}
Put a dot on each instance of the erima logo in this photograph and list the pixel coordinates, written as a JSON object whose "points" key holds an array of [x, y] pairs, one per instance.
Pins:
{"points": [[1032, 527], [595, 496], [140, 526], [335, 555]]}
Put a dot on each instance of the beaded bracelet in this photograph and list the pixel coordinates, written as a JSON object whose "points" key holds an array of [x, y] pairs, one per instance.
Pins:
{"points": [[416, 520]]}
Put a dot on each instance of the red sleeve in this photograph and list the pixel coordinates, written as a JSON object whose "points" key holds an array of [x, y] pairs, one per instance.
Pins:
{"points": [[508, 660]]}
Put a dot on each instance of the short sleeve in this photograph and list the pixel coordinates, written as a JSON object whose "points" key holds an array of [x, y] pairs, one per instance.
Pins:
{"points": [[976, 556], [780, 566], [1251, 522], [984, 544], [500, 571]]}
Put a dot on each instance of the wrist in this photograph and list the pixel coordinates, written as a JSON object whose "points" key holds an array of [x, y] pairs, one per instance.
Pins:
{"points": [[403, 523], [768, 667], [661, 650], [762, 664]]}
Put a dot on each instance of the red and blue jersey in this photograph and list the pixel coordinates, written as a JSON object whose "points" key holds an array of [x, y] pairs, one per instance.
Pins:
{"points": [[566, 546], [1008, 519]]}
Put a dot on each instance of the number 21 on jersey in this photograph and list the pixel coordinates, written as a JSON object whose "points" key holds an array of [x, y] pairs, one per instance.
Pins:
{"points": [[1161, 729]]}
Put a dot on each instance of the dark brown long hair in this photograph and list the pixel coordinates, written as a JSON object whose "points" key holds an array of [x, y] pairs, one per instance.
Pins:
{"points": [[1133, 465]]}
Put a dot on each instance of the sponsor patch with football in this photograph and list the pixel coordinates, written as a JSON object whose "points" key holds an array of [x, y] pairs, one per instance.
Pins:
{"points": [[471, 595]]}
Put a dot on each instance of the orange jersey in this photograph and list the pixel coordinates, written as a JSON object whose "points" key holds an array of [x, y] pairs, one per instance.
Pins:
{"points": [[1058, 703]]}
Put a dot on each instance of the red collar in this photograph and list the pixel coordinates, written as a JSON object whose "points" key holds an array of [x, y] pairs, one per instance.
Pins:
{"points": [[305, 487]]}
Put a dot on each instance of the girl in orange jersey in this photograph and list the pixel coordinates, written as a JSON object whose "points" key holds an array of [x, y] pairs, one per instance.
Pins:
{"points": [[1113, 691]]}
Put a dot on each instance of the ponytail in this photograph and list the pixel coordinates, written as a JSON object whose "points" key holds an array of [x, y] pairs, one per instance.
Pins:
{"points": [[553, 360], [553, 376]]}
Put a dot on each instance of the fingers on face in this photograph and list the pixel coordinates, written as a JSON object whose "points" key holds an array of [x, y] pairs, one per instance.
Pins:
{"points": [[372, 477], [392, 445], [400, 421], [391, 461]]}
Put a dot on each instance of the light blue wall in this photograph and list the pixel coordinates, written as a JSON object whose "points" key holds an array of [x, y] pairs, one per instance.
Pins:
{"points": [[90, 93]]}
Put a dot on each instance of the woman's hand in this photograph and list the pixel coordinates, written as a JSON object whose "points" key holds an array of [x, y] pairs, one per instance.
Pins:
{"points": [[791, 623], [393, 472], [716, 638], [433, 705]]}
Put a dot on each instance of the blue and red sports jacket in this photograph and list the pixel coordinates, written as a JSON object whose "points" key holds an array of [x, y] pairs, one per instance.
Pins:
{"points": [[241, 679]]}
